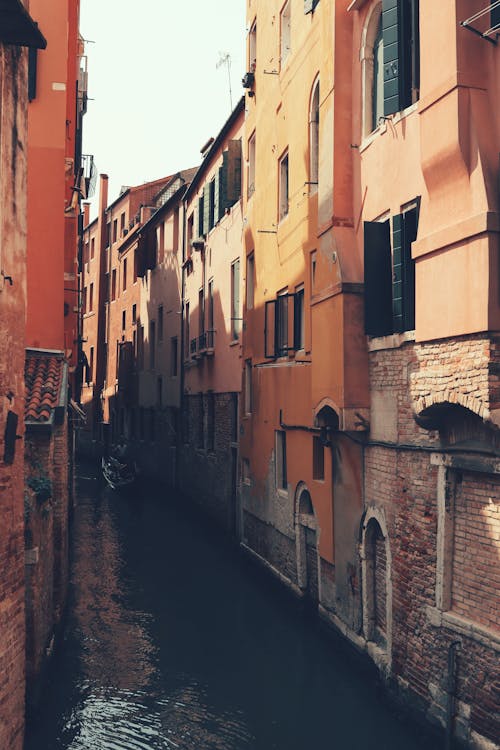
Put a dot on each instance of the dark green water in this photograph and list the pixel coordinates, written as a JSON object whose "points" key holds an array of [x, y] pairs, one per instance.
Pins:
{"points": [[174, 642]]}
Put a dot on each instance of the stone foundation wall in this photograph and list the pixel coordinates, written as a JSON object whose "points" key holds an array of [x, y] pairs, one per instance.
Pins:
{"points": [[271, 545]]}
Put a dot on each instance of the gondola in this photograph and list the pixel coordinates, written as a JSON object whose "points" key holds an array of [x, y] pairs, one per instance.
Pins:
{"points": [[116, 473]]}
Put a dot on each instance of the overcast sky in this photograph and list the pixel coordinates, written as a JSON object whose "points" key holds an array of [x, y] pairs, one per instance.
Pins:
{"points": [[156, 94]]}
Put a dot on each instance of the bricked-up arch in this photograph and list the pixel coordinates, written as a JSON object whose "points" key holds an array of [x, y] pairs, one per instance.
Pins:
{"points": [[366, 56], [376, 567], [306, 544]]}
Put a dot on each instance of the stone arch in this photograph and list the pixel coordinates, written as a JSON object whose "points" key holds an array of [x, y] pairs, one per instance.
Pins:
{"points": [[369, 35], [306, 544], [430, 409], [376, 571]]}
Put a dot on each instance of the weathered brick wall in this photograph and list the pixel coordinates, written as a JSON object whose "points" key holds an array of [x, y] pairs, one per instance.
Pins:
{"points": [[402, 483], [13, 110], [380, 592], [273, 546], [205, 474], [476, 569]]}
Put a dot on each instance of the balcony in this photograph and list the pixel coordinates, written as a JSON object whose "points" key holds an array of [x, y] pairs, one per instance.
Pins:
{"points": [[206, 342]]}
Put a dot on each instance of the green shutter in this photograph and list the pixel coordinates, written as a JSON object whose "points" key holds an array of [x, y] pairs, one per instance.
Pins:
{"points": [[200, 216], [410, 220], [221, 189], [378, 278], [397, 273], [391, 34], [206, 209]]}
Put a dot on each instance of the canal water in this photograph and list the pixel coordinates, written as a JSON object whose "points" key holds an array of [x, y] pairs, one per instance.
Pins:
{"points": [[174, 642]]}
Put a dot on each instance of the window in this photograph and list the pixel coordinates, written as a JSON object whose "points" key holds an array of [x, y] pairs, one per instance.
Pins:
{"points": [[200, 215], [113, 284], [152, 344], [152, 424], [134, 267], [245, 471], [173, 356], [115, 230], [285, 32], [282, 324], [210, 329], [141, 423], [235, 300], [211, 205], [298, 319], [251, 166], [314, 140], [134, 314], [318, 459], [250, 281], [90, 375], [84, 300], [122, 224], [108, 233], [201, 316], [124, 319], [400, 31], [252, 47], [159, 390], [91, 298], [283, 187], [390, 276], [160, 324], [124, 274], [281, 475], [313, 271], [248, 386], [186, 332], [92, 248], [377, 102], [86, 252]]}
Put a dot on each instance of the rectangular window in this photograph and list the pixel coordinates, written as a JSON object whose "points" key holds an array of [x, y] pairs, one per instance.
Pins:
{"points": [[200, 215], [92, 248], [86, 252], [211, 306], [281, 474], [313, 271], [201, 316], [160, 324], [84, 300], [134, 267], [318, 459], [252, 47], [108, 233], [90, 376], [283, 199], [282, 323], [186, 332], [173, 356], [235, 300], [285, 32], [115, 230], [250, 281], [113, 284], [152, 425], [211, 205], [400, 31], [122, 224], [248, 386], [251, 166], [298, 319], [124, 319], [189, 232], [134, 314], [124, 274], [210, 421], [152, 344], [91, 298]]}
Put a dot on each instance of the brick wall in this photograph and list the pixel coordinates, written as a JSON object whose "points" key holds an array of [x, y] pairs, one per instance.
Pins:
{"points": [[13, 109], [476, 570], [273, 546]]}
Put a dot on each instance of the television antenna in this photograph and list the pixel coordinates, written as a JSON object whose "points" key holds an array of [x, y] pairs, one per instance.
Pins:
{"points": [[225, 59]]}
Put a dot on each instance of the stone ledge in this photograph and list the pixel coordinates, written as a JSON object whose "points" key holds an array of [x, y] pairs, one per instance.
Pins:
{"points": [[463, 626]]}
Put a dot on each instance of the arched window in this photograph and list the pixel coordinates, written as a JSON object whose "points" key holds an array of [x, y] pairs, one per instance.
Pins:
{"points": [[372, 61], [314, 139], [378, 77], [376, 571]]}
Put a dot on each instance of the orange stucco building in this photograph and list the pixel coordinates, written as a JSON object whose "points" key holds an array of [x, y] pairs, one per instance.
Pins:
{"points": [[369, 423]]}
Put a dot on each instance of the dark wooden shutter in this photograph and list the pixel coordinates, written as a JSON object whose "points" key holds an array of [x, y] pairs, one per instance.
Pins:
{"points": [[200, 216], [410, 220], [391, 34], [309, 5], [32, 72], [398, 253], [233, 172], [10, 438], [206, 209], [270, 329], [298, 315], [378, 277], [221, 188]]}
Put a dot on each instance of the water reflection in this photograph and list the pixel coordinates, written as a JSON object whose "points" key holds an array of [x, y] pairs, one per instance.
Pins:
{"points": [[172, 643]]}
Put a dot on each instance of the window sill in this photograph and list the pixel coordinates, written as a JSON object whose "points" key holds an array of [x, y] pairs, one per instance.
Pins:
{"points": [[234, 342], [394, 119], [393, 341]]}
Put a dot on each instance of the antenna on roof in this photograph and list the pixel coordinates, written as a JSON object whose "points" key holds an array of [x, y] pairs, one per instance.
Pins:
{"points": [[225, 59]]}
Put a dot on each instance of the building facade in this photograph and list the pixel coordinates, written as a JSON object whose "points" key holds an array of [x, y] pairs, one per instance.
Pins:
{"points": [[19, 38], [211, 342]]}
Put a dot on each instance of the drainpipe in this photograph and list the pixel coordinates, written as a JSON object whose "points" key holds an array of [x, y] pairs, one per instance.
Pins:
{"points": [[450, 688]]}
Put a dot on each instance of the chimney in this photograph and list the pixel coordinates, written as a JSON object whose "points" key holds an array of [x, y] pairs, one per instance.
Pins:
{"points": [[86, 214], [103, 194]]}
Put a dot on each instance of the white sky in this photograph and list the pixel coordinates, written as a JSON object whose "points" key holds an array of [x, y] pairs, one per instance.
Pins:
{"points": [[157, 93]]}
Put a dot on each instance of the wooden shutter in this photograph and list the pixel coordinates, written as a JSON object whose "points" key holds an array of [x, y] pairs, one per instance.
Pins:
{"points": [[200, 216], [378, 296], [398, 252], [221, 188], [391, 36], [233, 172], [206, 209], [270, 329], [10, 437]]}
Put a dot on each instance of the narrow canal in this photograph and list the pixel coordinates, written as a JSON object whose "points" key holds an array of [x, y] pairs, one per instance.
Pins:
{"points": [[173, 642]]}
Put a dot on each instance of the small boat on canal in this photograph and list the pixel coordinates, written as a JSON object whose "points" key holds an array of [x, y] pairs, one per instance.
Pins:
{"points": [[117, 474]]}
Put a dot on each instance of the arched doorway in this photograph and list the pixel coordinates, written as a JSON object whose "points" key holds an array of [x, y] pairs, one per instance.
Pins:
{"points": [[307, 545], [376, 571]]}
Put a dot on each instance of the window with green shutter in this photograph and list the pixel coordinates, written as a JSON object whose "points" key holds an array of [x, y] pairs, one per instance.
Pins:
{"points": [[206, 209], [378, 278], [200, 216]]}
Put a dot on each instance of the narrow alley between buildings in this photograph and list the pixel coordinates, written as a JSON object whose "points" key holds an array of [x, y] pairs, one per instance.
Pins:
{"points": [[173, 641]]}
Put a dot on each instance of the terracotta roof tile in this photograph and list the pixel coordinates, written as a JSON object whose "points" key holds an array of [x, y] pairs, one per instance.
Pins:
{"points": [[44, 377]]}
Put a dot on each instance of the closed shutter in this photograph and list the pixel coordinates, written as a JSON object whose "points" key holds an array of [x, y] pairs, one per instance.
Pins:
{"points": [[378, 278], [233, 172], [391, 33], [200, 217], [398, 254], [270, 329], [221, 189], [206, 209]]}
